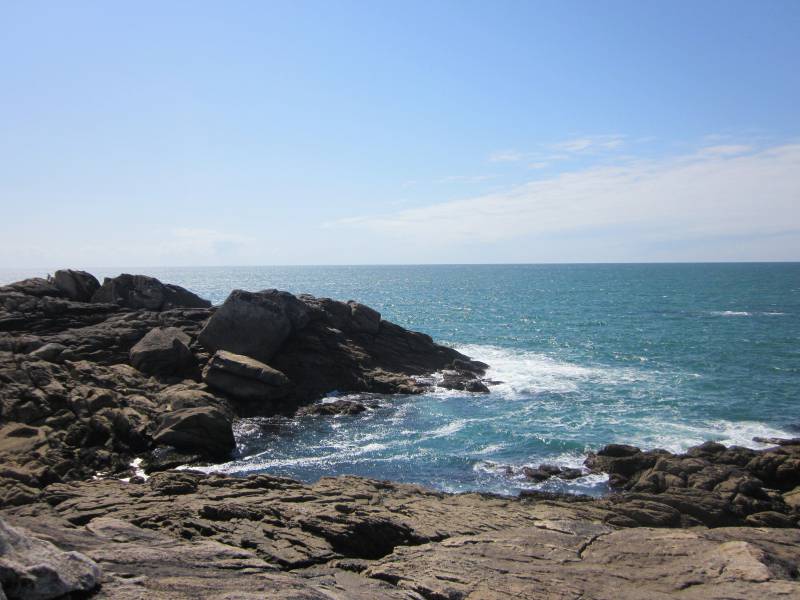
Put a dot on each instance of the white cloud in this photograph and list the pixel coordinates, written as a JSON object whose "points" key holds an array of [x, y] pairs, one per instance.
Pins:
{"points": [[465, 178], [506, 156], [590, 143], [724, 150], [695, 196]]}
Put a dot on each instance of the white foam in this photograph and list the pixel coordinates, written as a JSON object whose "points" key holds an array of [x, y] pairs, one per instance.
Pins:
{"points": [[449, 428], [730, 313], [522, 372], [138, 471], [678, 437]]}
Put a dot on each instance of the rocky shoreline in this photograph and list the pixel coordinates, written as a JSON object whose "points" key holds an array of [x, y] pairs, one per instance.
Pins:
{"points": [[94, 376]]}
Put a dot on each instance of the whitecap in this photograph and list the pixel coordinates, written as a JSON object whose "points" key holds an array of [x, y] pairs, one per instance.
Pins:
{"points": [[522, 373], [730, 313]]}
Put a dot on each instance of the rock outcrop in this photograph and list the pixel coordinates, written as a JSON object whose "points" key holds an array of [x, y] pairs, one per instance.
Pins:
{"points": [[245, 379], [710, 484], [35, 569], [187, 535], [140, 291], [88, 386], [163, 351], [206, 431], [96, 379]]}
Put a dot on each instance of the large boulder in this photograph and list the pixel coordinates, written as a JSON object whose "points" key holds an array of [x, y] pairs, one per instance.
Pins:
{"points": [[140, 291], [34, 569], [75, 285], [245, 378], [201, 430], [254, 323], [163, 351]]}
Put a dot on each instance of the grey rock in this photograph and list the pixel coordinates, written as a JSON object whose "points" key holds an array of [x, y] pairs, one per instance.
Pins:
{"points": [[75, 285], [250, 323], [365, 318], [245, 378], [49, 352], [163, 351], [141, 291], [201, 430], [35, 569]]}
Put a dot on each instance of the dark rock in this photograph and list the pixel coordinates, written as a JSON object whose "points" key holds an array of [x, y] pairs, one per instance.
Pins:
{"points": [[365, 318], [245, 378], [50, 352], [163, 351], [463, 381], [536, 474], [141, 291], [205, 431], [336, 407], [568, 474], [31, 568], [75, 285], [770, 519], [253, 324]]}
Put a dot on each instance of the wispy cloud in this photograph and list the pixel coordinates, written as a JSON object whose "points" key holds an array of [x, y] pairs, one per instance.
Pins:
{"points": [[728, 191], [465, 178], [728, 149], [590, 143], [506, 156]]}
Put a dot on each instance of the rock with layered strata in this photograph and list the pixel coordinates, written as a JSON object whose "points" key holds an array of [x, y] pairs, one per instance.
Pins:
{"points": [[245, 378], [35, 569]]}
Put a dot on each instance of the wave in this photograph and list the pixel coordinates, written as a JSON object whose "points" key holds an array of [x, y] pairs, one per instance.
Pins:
{"points": [[679, 437], [525, 373]]}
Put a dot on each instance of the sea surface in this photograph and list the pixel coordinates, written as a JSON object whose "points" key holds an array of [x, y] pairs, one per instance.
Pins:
{"points": [[661, 356]]}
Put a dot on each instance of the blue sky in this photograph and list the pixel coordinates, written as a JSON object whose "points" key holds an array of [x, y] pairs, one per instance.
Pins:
{"points": [[192, 133]]}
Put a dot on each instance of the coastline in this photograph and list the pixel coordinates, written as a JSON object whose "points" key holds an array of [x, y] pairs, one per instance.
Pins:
{"points": [[95, 377]]}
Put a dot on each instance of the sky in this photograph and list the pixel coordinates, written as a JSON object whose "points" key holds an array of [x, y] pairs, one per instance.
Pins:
{"points": [[338, 132]]}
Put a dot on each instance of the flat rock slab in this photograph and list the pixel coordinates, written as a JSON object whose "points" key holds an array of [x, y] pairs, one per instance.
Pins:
{"points": [[244, 377]]}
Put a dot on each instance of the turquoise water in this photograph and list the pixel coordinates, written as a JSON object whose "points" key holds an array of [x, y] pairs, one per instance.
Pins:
{"points": [[655, 355]]}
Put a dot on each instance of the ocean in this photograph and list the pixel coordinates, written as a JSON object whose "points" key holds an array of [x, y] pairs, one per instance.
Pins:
{"points": [[656, 355]]}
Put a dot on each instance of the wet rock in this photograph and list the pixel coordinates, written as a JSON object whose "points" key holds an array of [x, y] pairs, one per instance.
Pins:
{"points": [[163, 351], [205, 431], [245, 378], [463, 381], [31, 568], [336, 407]]}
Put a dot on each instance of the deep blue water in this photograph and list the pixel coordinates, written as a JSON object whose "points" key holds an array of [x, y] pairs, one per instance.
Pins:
{"points": [[664, 355]]}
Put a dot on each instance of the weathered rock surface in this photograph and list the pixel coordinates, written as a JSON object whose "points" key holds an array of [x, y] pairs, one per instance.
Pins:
{"points": [[140, 291], [710, 484], [183, 535], [35, 569], [245, 378], [163, 351], [206, 431], [72, 408]]}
